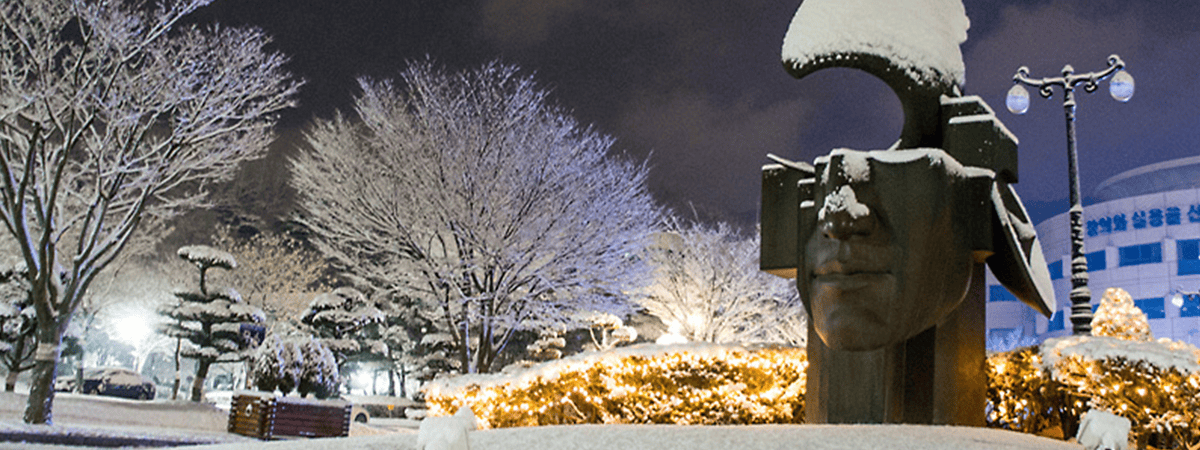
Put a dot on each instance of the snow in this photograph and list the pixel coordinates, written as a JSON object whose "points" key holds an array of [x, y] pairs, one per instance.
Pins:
{"points": [[116, 417], [673, 437], [447, 433], [843, 200], [209, 256], [920, 36], [936, 157], [1164, 353], [1102, 430]]}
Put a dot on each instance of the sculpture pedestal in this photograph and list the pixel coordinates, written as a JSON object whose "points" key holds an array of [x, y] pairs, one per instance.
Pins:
{"points": [[894, 384]]}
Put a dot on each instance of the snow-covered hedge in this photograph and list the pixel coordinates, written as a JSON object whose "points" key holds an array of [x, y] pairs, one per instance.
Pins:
{"points": [[1154, 384], [677, 384]]}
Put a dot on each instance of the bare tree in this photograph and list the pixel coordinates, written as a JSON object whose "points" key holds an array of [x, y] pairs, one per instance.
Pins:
{"points": [[110, 112], [276, 269], [708, 288], [472, 193]]}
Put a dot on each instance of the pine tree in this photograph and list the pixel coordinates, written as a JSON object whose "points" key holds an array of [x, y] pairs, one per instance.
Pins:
{"points": [[18, 323], [319, 374], [210, 321], [1119, 317], [346, 322]]}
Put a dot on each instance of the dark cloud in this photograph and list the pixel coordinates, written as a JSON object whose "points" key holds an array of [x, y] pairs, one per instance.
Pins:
{"points": [[697, 85]]}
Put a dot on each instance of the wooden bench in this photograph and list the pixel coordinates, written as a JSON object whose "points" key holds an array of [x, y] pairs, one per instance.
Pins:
{"points": [[270, 417]]}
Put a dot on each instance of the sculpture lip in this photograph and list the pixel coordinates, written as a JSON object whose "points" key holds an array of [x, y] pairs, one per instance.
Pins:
{"points": [[840, 268]]}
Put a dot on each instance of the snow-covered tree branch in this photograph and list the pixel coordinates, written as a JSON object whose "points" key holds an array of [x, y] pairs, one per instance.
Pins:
{"points": [[109, 112], [472, 193], [708, 288]]}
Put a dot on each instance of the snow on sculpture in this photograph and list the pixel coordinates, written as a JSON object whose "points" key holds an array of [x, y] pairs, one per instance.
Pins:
{"points": [[920, 36]]}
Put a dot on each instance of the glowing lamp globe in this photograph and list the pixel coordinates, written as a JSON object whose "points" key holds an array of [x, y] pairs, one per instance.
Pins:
{"points": [[1121, 86], [1018, 99]]}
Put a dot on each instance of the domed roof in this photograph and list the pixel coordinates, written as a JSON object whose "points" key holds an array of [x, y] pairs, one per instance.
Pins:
{"points": [[1173, 175]]}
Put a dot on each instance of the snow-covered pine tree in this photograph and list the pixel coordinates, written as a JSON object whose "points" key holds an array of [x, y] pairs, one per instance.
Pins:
{"points": [[346, 322], [319, 369], [210, 321], [416, 348], [18, 323], [1119, 317], [277, 364]]}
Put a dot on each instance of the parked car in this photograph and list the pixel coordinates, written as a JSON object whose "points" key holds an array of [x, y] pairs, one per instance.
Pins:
{"points": [[110, 381], [366, 407]]}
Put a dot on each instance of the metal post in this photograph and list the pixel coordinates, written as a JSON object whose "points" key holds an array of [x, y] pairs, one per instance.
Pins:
{"points": [[1081, 295]]}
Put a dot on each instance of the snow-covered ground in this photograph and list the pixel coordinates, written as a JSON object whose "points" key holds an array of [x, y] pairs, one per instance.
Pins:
{"points": [[99, 416]]}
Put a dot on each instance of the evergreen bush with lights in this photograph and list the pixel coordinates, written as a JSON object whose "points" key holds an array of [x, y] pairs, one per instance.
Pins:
{"points": [[1119, 369], [694, 384]]}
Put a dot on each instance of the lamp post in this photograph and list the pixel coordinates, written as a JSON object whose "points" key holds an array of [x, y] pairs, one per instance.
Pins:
{"points": [[1121, 88]]}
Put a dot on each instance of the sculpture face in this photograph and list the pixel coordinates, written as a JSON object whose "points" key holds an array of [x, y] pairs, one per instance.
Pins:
{"points": [[888, 256]]}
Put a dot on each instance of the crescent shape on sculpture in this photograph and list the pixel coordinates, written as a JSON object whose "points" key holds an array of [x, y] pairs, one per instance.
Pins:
{"points": [[912, 45], [1018, 262]]}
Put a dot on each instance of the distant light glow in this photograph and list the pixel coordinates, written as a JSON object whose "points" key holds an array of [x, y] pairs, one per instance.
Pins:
{"points": [[132, 325]]}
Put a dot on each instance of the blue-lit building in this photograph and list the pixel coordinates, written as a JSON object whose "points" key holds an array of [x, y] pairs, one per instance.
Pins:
{"points": [[1142, 235]]}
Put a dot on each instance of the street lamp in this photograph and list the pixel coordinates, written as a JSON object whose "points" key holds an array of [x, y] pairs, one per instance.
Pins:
{"points": [[1121, 89]]}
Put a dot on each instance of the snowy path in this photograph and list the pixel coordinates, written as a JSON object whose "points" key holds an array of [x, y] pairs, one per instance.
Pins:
{"points": [[671, 437], [116, 417]]}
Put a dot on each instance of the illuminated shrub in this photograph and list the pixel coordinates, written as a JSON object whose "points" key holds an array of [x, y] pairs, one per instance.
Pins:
{"points": [[1019, 394], [1154, 384], [1119, 317], [691, 384]]}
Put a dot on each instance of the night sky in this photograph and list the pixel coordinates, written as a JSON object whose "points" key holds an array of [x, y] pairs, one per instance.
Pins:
{"points": [[697, 85]]}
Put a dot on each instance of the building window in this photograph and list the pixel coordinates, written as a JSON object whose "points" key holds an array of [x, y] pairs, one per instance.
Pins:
{"points": [[1055, 270], [1056, 322], [1154, 308], [1189, 256], [999, 334], [1190, 307], [1097, 261], [1141, 254], [998, 293]]}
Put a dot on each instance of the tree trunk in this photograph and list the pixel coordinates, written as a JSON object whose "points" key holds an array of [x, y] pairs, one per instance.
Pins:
{"points": [[403, 381], [45, 361], [391, 383], [10, 382], [202, 366], [178, 373]]}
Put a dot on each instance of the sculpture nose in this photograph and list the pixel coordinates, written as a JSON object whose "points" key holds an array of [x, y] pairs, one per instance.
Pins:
{"points": [[844, 223]]}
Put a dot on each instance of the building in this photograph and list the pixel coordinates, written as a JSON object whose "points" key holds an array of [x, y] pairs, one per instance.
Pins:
{"points": [[1143, 235]]}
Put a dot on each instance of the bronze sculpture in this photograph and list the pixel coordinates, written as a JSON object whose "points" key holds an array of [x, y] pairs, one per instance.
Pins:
{"points": [[889, 246]]}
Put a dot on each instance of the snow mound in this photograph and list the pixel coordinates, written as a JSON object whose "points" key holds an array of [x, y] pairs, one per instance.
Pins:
{"points": [[208, 256], [447, 433], [1102, 430], [920, 36], [1164, 353]]}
